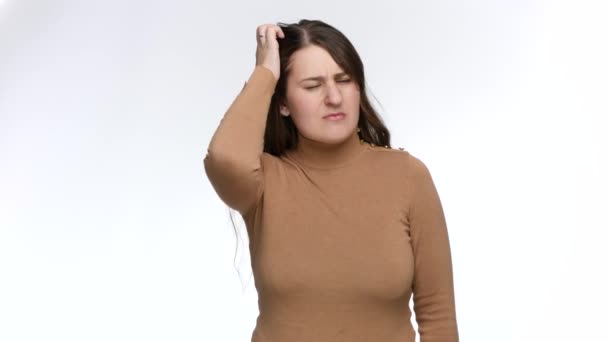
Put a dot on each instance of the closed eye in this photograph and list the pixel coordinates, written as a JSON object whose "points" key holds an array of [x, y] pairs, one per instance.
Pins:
{"points": [[340, 81]]}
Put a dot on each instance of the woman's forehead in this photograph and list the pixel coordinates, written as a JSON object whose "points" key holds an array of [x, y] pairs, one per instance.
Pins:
{"points": [[313, 61]]}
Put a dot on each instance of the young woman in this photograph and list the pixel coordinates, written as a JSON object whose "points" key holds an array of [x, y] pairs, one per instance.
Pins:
{"points": [[343, 228]]}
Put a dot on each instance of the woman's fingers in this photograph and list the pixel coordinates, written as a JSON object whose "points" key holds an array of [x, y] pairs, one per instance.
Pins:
{"points": [[267, 31], [267, 52]]}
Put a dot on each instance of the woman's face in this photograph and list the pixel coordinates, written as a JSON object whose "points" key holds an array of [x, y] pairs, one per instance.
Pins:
{"points": [[309, 100]]}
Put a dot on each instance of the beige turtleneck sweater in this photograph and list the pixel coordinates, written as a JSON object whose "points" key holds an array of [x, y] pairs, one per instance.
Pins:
{"points": [[340, 236]]}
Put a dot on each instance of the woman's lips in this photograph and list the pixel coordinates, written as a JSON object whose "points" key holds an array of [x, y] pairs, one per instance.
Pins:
{"points": [[335, 116]]}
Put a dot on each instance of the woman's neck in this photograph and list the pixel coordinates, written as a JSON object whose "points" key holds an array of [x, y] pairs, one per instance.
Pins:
{"points": [[322, 155]]}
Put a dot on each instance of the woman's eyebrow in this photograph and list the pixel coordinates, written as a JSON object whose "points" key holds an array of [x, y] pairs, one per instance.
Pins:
{"points": [[321, 78]]}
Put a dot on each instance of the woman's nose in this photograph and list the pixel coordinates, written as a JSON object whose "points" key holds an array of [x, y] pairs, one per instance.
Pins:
{"points": [[333, 95]]}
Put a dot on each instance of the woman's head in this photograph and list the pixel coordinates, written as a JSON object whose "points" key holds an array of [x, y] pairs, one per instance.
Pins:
{"points": [[314, 49]]}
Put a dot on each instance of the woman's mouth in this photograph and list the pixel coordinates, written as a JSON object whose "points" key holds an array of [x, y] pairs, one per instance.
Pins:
{"points": [[335, 116]]}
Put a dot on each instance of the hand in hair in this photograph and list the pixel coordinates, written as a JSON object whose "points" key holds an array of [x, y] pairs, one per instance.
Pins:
{"points": [[267, 51]]}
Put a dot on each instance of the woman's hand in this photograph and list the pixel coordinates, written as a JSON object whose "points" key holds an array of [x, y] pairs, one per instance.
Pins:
{"points": [[267, 51]]}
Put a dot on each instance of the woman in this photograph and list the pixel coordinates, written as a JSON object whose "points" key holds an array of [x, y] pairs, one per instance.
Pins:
{"points": [[343, 228]]}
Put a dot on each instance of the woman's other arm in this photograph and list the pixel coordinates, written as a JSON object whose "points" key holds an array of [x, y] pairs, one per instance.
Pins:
{"points": [[433, 287]]}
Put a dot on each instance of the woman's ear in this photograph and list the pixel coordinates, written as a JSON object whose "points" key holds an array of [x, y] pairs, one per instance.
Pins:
{"points": [[284, 110]]}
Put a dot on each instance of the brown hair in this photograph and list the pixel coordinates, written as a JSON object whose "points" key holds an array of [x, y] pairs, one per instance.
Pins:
{"points": [[281, 133]]}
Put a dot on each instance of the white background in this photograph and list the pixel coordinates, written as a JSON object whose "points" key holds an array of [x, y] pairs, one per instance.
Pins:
{"points": [[110, 230]]}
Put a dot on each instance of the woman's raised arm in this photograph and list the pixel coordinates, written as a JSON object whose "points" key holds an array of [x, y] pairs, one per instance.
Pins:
{"points": [[233, 160], [234, 157]]}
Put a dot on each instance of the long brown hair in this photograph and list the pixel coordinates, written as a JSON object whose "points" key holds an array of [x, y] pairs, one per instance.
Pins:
{"points": [[281, 133]]}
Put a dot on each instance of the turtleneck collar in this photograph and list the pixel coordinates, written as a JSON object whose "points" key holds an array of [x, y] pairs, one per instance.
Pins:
{"points": [[319, 155]]}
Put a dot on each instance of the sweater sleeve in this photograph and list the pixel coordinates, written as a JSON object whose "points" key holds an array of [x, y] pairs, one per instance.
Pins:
{"points": [[433, 287], [233, 162]]}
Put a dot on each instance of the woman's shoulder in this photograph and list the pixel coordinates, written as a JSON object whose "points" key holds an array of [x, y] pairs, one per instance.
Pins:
{"points": [[401, 157], [389, 154], [273, 162], [390, 149]]}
